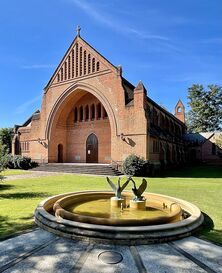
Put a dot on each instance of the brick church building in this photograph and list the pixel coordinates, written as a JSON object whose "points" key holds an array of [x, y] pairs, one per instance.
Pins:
{"points": [[91, 113]]}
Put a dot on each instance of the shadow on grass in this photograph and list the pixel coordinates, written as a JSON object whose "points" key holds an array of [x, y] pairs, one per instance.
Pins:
{"points": [[9, 227], [208, 232], [5, 187], [23, 195], [200, 171]]}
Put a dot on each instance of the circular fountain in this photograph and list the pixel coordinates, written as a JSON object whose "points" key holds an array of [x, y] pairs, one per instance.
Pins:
{"points": [[119, 217]]}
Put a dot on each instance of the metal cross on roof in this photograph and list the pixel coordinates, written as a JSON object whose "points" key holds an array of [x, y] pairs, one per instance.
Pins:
{"points": [[78, 30]]}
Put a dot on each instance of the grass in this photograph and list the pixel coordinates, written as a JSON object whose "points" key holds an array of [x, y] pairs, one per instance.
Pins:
{"points": [[10, 172], [199, 185]]}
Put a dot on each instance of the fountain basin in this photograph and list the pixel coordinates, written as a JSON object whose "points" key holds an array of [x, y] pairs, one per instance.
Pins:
{"points": [[96, 208], [99, 230]]}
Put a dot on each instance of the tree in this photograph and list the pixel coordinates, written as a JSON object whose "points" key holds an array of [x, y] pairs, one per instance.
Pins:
{"points": [[6, 140], [205, 114]]}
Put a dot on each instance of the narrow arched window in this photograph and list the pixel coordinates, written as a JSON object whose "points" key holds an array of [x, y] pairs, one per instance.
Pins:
{"points": [[77, 57], [104, 113], [69, 67], [80, 69], [92, 111], [97, 66], [89, 63], [81, 114], [99, 111], [73, 63], [86, 112], [65, 70], [75, 114], [84, 62], [61, 74], [93, 64]]}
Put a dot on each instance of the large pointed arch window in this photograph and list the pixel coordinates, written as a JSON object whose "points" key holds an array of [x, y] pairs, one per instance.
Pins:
{"points": [[75, 114], [81, 113], [86, 112], [92, 111], [98, 110]]}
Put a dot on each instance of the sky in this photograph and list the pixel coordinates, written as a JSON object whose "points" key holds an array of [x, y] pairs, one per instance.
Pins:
{"points": [[169, 45]]}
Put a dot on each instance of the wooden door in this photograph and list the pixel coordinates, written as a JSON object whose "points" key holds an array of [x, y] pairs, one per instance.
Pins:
{"points": [[92, 149], [60, 153]]}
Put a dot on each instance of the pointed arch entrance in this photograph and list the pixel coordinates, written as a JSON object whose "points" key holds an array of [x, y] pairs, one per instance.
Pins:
{"points": [[92, 149], [60, 153]]}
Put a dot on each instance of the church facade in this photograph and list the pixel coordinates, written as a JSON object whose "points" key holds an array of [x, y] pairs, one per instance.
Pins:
{"points": [[91, 113]]}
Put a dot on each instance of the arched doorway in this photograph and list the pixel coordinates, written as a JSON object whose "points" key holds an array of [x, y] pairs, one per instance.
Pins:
{"points": [[92, 149], [60, 153]]}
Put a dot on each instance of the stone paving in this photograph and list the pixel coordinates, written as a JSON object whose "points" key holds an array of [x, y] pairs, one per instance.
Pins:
{"points": [[40, 251], [30, 174]]}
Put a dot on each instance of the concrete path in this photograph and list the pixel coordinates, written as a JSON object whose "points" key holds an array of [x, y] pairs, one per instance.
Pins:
{"points": [[30, 174], [40, 251]]}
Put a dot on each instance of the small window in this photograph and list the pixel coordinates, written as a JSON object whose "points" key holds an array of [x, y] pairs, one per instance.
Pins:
{"points": [[179, 109], [155, 146]]}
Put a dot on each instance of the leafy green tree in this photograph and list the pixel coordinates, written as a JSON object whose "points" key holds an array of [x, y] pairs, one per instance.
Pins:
{"points": [[206, 108], [6, 140]]}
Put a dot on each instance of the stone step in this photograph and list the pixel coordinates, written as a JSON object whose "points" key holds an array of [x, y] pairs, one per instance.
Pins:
{"points": [[82, 169]]}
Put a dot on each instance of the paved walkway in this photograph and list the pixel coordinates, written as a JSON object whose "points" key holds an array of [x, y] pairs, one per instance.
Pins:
{"points": [[40, 251], [30, 174]]}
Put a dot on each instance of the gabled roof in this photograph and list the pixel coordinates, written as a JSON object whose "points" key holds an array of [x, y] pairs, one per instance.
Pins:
{"points": [[80, 60], [27, 122], [129, 95]]}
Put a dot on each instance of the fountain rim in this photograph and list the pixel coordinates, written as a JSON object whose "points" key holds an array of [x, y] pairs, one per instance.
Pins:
{"points": [[195, 217]]}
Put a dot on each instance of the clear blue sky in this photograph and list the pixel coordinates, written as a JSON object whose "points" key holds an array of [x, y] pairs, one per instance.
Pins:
{"points": [[169, 45]]}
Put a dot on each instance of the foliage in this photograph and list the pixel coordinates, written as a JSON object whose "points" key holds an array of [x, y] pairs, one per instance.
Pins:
{"points": [[205, 114], [6, 140], [3, 158], [19, 162], [134, 165]]}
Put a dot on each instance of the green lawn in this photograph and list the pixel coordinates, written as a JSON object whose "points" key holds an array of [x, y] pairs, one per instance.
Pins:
{"points": [[199, 185], [13, 172]]}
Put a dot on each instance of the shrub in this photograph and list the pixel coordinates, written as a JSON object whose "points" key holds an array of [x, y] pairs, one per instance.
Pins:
{"points": [[135, 166], [20, 162]]}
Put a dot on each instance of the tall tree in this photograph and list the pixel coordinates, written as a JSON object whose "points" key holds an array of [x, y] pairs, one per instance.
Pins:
{"points": [[205, 114], [6, 139]]}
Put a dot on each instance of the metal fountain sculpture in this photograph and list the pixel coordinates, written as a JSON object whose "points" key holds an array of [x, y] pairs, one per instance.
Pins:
{"points": [[138, 192], [138, 201], [118, 190]]}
